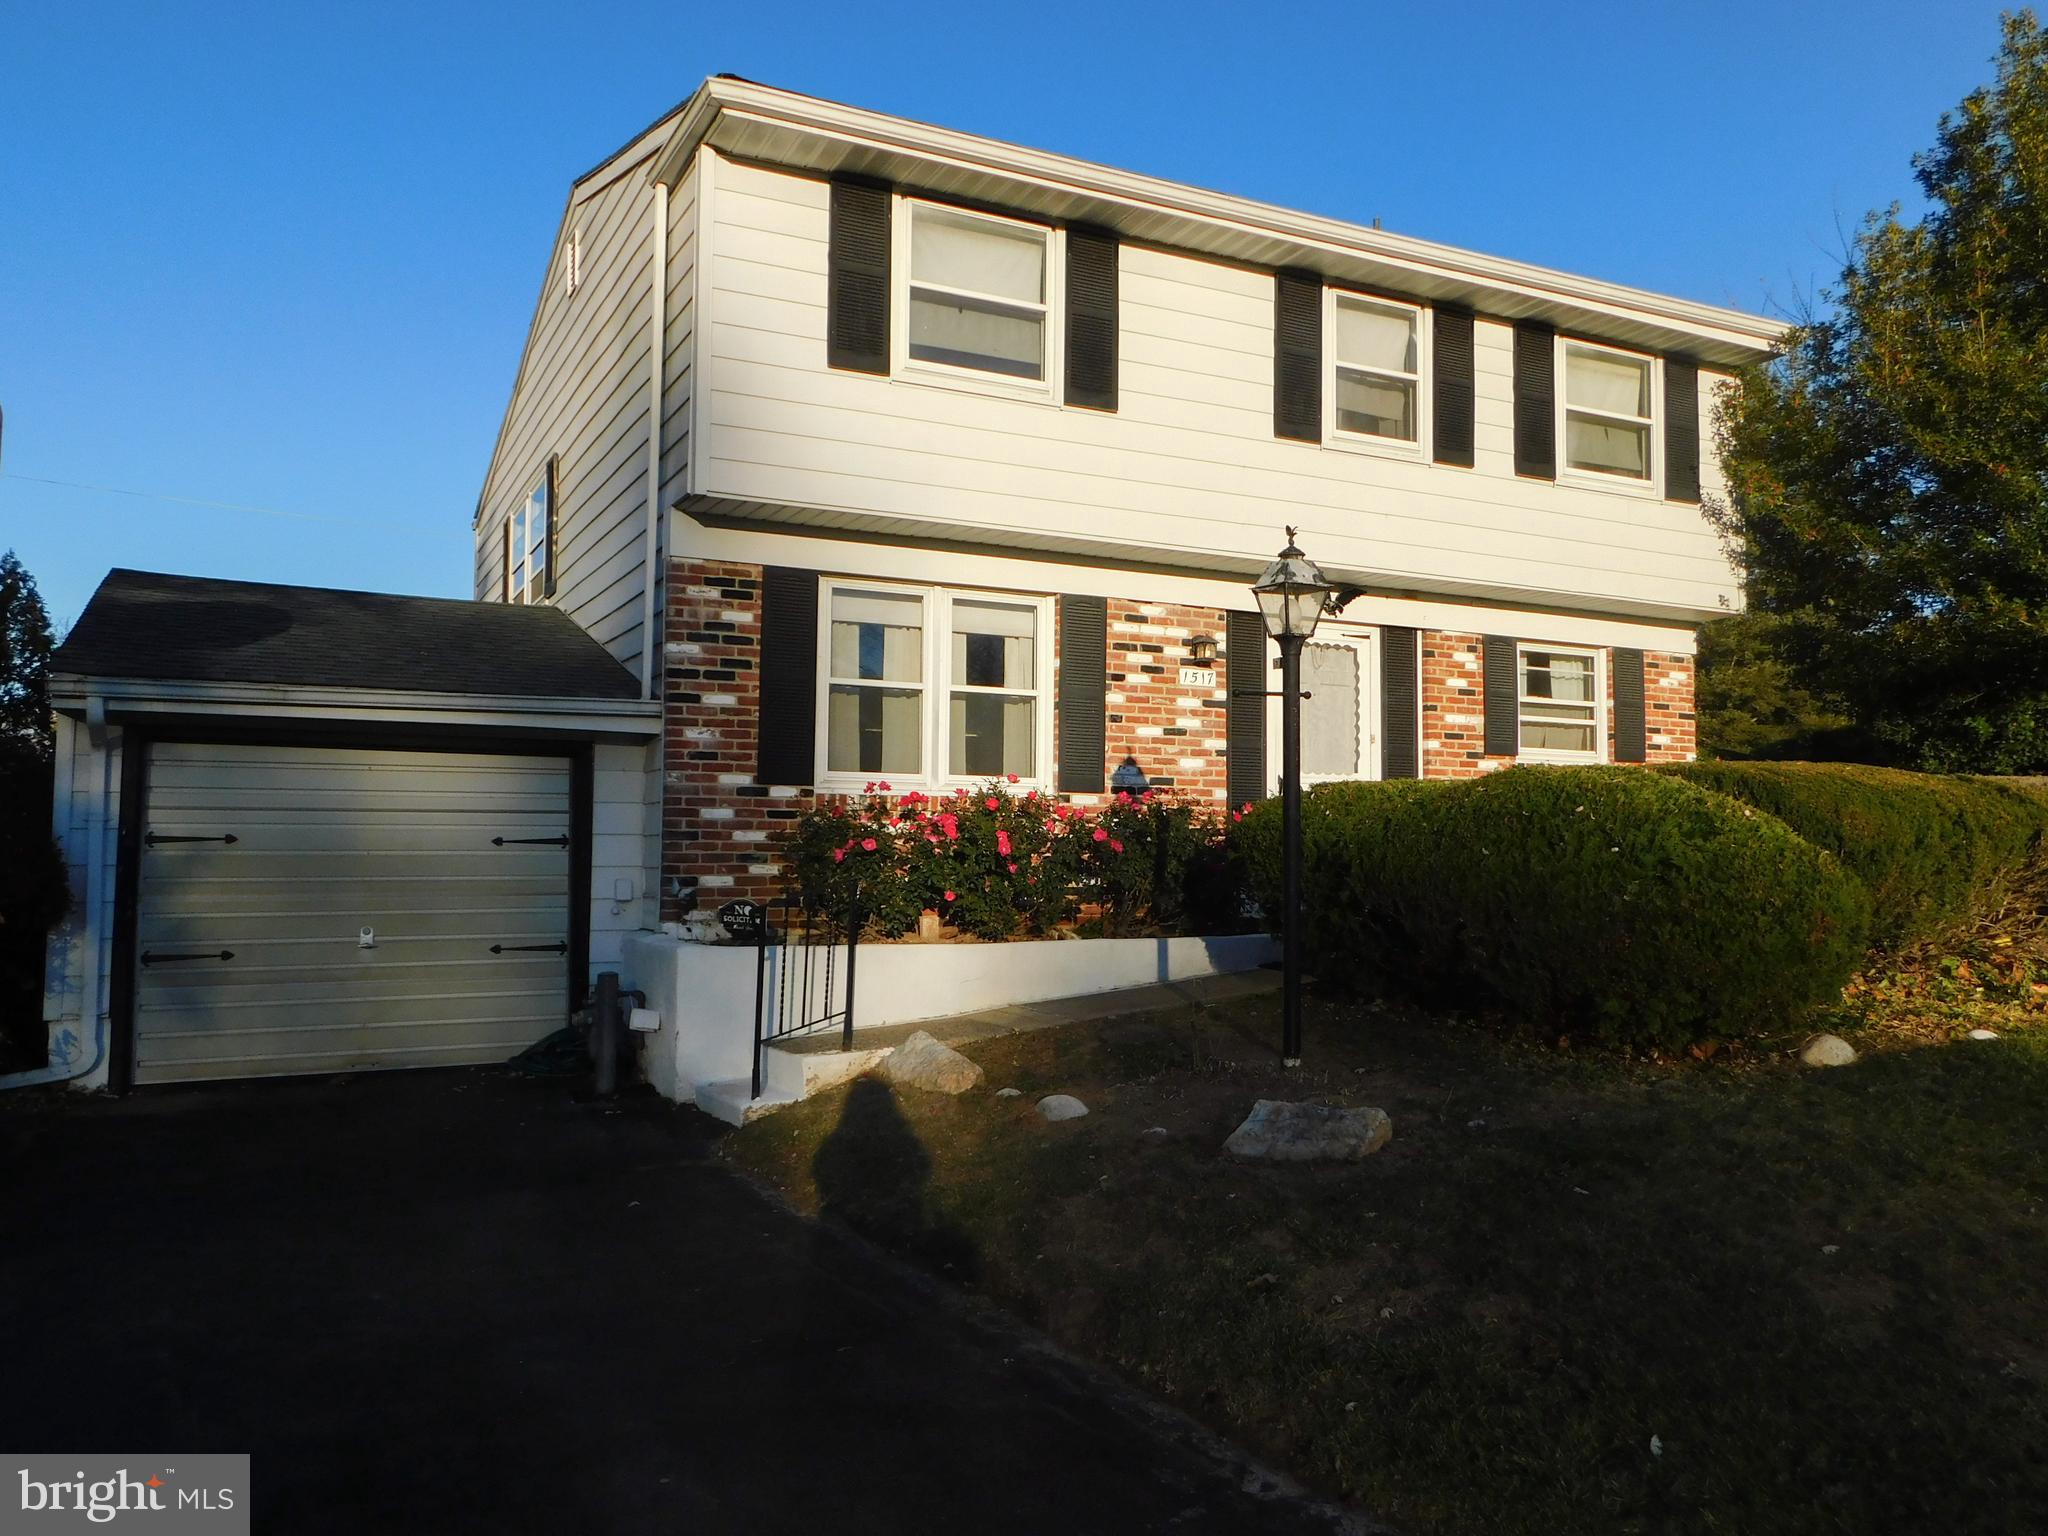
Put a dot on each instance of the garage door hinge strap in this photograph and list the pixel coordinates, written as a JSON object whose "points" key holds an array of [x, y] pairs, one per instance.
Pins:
{"points": [[547, 842], [151, 958], [164, 837], [523, 949]]}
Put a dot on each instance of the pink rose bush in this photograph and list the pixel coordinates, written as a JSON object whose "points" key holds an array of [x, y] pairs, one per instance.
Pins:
{"points": [[1002, 865]]}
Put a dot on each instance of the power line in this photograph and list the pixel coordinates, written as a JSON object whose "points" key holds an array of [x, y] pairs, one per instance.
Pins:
{"points": [[224, 506]]}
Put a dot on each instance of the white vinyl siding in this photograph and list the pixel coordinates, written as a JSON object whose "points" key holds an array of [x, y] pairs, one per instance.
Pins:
{"points": [[582, 394], [1187, 466]]}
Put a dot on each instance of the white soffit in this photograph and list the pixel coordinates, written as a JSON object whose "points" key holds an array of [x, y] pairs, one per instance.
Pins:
{"points": [[756, 122]]}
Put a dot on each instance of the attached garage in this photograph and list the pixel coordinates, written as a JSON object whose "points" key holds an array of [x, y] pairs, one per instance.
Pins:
{"points": [[283, 873], [324, 909]]}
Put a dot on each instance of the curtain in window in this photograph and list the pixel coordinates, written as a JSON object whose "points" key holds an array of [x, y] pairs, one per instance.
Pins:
{"points": [[1372, 337], [1600, 382], [1329, 717], [957, 251]]}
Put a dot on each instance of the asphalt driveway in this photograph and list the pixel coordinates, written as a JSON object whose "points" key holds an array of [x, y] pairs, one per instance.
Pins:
{"points": [[443, 1301]]}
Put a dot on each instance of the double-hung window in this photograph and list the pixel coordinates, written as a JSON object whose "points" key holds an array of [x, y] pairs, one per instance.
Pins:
{"points": [[526, 547], [1559, 702], [1375, 384], [1609, 408], [926, 686], [978, 299]]}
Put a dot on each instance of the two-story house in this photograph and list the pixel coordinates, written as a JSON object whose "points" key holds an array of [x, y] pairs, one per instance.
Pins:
{"points": [[844, 449], [885, 452]]}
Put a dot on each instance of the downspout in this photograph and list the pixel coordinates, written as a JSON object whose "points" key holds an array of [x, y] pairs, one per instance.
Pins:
{"points": [[100, 791], [657, 321]]}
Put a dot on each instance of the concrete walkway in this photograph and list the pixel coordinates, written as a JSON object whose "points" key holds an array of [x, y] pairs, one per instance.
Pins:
{"points": [[1017, 1019], [460, 1301]]}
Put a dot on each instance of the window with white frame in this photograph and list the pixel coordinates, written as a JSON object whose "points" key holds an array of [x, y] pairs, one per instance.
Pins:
{"points": [[979, 294], [924, 685], [1608, 411], [1376, 366], [526, 547], [1559, 703]]}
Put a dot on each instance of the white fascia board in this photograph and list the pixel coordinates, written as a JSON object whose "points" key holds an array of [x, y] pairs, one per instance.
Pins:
{"points": [[736, 112], [1525, 616], [136, 696]]}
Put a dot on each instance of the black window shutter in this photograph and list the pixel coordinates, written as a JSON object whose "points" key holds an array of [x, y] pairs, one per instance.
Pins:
{"points": [[1451, 355], [1400, 722], [1631, 737], [1298, 356], [1091, 318], [789, 676], [1244, 672], [857, 287], [1535, 400], [554, 522], [1084, 663], [1681, 430], [1503, 694]]}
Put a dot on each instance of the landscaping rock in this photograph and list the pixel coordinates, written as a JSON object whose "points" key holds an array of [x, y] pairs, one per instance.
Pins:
{"points": [[1828, 1051], [1983, 1034], [1061, 1106], [1009, 1093], [1278, 1131], [922, 1062]]}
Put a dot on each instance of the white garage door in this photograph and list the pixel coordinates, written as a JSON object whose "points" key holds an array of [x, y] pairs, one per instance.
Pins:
{"points": [[261, 867]]}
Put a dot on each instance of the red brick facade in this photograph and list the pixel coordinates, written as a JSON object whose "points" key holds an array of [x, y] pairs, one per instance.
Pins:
{"points": [[1173, 731], [1454, 711], [720, 827]]}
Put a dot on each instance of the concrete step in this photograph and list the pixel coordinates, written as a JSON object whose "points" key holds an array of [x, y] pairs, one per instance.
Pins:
{"points": [[800, 1073], [731, 1099]]}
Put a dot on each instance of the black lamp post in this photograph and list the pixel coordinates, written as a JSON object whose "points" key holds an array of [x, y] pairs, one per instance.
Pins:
{"points": [[1292, 593]]}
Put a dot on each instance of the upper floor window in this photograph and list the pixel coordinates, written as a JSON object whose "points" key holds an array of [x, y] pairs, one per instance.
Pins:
{"points": [[1559, 702], [925, 686], [977, 295], [1375, 349], [526, 544], [1609, 408]]}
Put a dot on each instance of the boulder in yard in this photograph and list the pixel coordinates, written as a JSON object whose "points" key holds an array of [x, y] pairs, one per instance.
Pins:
{"points": [[1061, 1106], [1983, 1034], [922, 1062], [1828, 1051], [1278, 1131]]}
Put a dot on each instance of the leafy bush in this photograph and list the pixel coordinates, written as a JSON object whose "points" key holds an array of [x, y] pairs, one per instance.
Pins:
{"points": [[999, 864], [1609, 902], [1933, 851]]}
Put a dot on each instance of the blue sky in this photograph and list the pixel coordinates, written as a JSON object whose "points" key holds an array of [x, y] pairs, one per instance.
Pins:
{"points": [[283, 256]]}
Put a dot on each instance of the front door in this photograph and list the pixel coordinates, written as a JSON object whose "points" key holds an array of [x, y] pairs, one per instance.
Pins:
{"points": [[1339, 715]]}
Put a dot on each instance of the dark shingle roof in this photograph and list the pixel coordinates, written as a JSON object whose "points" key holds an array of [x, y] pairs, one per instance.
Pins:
{"points": [[141, 624]]}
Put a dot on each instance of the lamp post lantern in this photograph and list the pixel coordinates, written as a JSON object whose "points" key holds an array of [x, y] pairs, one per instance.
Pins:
{"points": [[1292, 594]]}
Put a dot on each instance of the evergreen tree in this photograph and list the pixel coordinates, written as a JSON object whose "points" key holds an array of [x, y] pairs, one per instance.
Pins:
{"points": [[1889, 473]]}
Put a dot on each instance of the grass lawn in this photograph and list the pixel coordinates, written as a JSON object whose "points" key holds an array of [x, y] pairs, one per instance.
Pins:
{"points": [[1571, 1295]]}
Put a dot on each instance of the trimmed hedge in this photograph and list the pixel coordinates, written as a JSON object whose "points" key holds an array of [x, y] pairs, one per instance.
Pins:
{"points": [[1607, 902], [1933, 850]]}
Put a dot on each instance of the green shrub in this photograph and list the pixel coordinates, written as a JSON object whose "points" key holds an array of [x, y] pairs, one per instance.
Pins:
{"points": [[1932, 850], [999, 864], [1603, 902]]}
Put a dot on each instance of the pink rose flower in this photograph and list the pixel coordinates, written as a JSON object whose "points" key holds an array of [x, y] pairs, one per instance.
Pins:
{"points": [[1013, 869], [1101, 836], [949, 895], [1012, 778], [884, 786], [870, 787], [993, 803], [1002, 842], [868, 843], [838, 855], [1115, 846]]}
